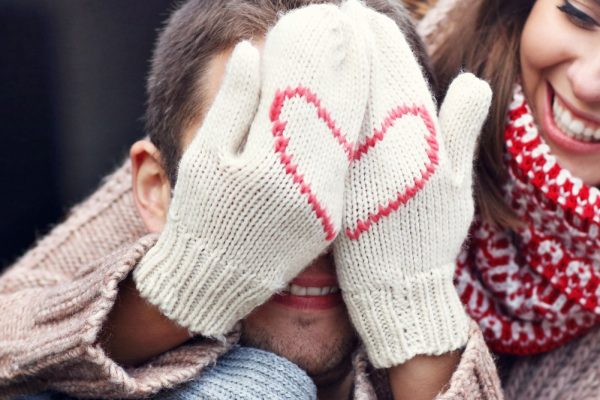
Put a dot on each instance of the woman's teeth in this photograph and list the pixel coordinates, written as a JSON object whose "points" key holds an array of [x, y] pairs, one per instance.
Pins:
{"points": [[296, 290], [572, 126]]}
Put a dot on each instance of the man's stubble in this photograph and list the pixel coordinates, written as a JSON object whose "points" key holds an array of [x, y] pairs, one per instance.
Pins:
{"points": [[323, 353]]}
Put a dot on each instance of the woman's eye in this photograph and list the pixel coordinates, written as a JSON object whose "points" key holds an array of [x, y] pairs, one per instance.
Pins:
{"points": [[577, 16]]}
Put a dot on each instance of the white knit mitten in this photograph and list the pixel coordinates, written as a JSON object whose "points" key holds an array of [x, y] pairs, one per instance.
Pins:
{"points": [[260, 189], [409, 203]]}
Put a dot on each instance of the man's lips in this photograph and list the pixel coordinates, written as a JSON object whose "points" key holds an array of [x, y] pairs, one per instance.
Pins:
{"points": [[325, 302], [313, 289], [315, 279]]}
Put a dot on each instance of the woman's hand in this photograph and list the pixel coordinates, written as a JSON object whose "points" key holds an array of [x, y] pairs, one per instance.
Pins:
{"points": [[409, 203], [260, 188], [423, 377]]}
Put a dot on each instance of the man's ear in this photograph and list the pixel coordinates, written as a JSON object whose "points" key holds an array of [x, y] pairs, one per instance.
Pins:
{"points": [[151, 186]]}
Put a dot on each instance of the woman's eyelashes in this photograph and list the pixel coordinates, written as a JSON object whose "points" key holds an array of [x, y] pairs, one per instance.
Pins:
{"points": [[577, 16]]}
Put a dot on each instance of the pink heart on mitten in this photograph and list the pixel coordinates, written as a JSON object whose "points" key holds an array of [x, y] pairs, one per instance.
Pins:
{"points": [[287, 159], [420, 172], [292, 167]]}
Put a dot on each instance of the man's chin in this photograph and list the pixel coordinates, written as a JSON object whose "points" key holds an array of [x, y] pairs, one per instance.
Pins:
{"points": [[318, 361], [319, 343]]}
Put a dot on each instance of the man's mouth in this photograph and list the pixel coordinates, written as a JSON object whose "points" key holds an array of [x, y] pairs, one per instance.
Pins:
{"points": [[296, 290], [314, 289], [569, 127]]}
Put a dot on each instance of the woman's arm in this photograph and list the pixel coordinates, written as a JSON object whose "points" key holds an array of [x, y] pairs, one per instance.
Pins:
{"points": [[62, 293], [136, 331], [423, 377], [467, 374]]}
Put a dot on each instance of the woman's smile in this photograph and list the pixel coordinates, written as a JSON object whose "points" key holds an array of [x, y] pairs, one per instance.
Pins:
{"points": [[568, 126], [560, 72]]}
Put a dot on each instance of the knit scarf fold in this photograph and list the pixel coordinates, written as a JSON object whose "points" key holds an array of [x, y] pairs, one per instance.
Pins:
{"points": [[536, 287]]}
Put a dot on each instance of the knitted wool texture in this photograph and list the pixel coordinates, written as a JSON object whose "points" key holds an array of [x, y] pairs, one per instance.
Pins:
{"points": [[247, 374], [569, 372], [244, 223], [241, 374], [55, 299], [536, 287], [435, 24], [409, 203]]}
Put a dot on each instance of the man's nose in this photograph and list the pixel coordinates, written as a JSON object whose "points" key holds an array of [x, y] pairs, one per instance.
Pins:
{"points": [[584, 76]]}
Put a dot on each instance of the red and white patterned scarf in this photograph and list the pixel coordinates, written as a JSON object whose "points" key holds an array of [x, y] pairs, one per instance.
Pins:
{"points": [[537, 287]]}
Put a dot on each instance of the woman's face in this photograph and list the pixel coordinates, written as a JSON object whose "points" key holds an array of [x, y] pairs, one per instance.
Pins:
{"points": [[560, 66]]}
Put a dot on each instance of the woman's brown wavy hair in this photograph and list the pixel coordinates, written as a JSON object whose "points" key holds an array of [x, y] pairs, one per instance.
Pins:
{"points": [[483, 37]]}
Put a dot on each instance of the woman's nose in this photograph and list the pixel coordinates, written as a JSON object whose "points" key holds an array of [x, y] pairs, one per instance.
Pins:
{"points": [[584, 76]]}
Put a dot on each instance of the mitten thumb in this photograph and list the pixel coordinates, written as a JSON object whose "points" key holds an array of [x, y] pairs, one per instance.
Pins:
{"points": [[462, 115], [232, 112]]}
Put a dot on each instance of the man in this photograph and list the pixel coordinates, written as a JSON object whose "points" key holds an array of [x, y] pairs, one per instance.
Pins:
{"points": [[310, 329]]}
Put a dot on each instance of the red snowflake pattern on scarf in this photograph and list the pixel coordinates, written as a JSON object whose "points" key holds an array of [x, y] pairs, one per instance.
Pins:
{"points": [[537, 287]]}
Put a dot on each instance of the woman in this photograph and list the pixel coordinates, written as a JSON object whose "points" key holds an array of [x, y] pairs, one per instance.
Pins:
{"points": [[530, 276]]}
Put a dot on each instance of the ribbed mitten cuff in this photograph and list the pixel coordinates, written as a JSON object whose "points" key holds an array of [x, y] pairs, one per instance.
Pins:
{"points": [[195, 287], [420, 316]]}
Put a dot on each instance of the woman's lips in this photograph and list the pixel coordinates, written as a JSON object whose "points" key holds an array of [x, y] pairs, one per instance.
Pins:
{"points": [[585, 117], [558, 136]]}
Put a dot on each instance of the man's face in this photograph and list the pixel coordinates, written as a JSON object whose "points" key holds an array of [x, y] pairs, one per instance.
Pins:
{"points": [[308, 323], [318, 337]]}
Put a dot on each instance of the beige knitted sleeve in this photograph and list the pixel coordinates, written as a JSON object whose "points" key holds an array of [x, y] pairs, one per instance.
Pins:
{"points": [[568, 372], [476, 376], [54, 300]]}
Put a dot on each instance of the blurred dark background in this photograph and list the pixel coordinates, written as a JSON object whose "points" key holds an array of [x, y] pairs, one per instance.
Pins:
{"points": [[72, 98]]}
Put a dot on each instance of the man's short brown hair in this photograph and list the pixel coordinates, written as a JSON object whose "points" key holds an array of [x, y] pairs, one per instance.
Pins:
{"points": [[197, 31]]}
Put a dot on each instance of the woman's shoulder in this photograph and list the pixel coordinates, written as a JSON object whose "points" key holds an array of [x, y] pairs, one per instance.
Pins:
{"points": [[570, 371]]}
